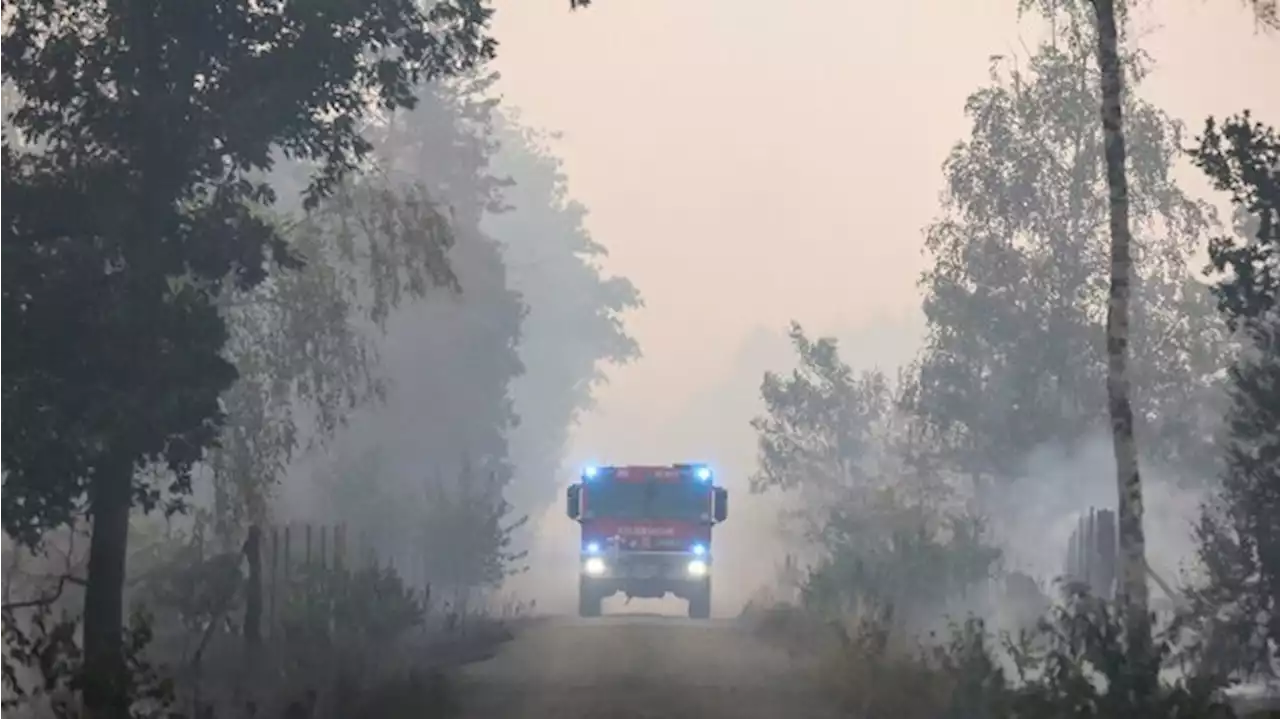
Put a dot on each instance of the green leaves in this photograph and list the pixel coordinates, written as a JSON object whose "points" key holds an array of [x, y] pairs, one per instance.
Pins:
{"points": [[1016, 295], [820, 422], [305, 343], [1242, 157], [148, 119], [1238, 543], [886, 535]]}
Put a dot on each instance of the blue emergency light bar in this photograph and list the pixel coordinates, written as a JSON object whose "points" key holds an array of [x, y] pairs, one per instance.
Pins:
{"points": [[700, 472]]}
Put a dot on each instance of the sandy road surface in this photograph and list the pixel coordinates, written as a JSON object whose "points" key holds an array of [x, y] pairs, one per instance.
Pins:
{"points": [[634, 667]]}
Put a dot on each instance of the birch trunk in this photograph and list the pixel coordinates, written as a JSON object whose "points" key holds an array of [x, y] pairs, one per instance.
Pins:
{"points": [[1132, 583]]}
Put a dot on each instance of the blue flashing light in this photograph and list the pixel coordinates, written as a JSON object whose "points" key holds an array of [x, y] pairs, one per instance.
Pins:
{"points": [[593, 548], [590, 471], [703, 473], [699, 550]]}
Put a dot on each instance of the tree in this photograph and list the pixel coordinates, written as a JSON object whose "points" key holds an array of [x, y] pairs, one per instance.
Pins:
{"points": [[1014, 298], [119, 232], [574, 327], [887, 534], [1238, 531], [303, 343], [820, 429], [448, 363], [1266, 12], [1132, 590], [471, 518]]}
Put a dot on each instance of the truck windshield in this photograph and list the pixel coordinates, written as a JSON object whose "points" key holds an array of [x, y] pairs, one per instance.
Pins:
{"points": [[655, 500]]}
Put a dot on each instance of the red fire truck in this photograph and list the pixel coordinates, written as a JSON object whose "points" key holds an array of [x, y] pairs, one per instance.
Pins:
{"points": [[646, 531]]}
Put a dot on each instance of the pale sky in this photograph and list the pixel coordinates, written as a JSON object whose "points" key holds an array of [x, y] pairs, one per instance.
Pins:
{"points": [[748, 162]]}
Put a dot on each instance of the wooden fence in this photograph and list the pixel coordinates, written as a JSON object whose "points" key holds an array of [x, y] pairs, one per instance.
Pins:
{"points": [[1092, 553], [1093, 558], [283, 559]]}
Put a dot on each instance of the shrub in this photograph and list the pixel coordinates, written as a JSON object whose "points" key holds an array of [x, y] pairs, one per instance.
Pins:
{"points": [[1072, 665]]}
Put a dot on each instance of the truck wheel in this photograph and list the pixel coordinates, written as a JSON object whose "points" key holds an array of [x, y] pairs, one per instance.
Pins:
{"points": [[700, 603], [589, 600]]}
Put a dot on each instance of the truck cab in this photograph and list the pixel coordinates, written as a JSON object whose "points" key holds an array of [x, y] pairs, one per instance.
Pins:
{"points": [[646, 532]]}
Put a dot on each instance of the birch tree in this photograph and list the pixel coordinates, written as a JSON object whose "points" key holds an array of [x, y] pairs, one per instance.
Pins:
{"points": [[1132, 589], [1016, 294]]}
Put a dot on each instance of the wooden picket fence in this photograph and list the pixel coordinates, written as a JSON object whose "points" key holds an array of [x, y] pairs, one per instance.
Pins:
{"points": [[1093, 558], [1092, 553], [280, 556]]}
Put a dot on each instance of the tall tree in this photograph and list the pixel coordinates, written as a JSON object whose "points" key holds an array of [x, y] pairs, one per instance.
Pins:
{"points": [[574, 327], [118, 232], [1131, 536], [448, 363], [1239, 533], [1016, 294]]}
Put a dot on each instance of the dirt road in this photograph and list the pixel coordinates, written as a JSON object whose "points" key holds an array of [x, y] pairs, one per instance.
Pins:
{"points": [[634, 667]]}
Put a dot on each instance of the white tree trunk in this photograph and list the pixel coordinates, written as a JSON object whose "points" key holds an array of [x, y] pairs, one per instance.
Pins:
{"points": [[1132, 583]]}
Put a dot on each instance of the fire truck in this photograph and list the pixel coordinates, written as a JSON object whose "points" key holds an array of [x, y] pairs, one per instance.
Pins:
{"points": [[646, 531]]}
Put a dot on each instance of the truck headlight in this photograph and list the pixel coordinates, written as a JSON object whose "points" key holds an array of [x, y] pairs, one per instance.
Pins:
{"points": [[697, 568], [594, 565]]}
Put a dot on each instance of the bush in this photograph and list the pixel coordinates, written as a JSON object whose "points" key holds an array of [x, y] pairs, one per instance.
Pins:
{"points": [[892, 552], [1072, 665], [349, 643]]}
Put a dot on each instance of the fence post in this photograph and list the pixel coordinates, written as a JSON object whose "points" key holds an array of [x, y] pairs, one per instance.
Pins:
{"points": [[324, 546], [1107, 551], [286, 560], [275, 584], [253, 595], [339, 546]]}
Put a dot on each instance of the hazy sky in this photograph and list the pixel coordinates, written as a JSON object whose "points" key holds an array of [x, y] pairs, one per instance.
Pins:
{"points": [[747, 162]]}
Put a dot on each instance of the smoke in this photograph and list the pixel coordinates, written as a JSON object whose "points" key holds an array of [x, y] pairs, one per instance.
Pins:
{"points": [[1033, 517], [710, 425]]}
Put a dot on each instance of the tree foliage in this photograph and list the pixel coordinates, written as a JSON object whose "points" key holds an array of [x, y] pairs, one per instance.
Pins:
{"points": [[148, 119], [132, 201], [471, 518], [574, 328], [1016, 295], [888, 533], [1238, 532], [304, 344], [446, 364], [820, 431], [1266, 13]]}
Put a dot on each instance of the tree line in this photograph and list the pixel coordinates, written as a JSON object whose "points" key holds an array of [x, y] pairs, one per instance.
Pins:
{"points": [[217, 214], [1063, 301]]}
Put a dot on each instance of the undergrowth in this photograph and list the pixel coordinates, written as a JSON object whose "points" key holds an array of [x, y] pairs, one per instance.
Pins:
{"points": [[349, 645], [1071, 666]]}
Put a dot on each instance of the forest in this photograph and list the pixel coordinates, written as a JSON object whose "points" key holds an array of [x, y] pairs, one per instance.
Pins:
{"points": [[269, 321], [301, 316], [922, 498]]}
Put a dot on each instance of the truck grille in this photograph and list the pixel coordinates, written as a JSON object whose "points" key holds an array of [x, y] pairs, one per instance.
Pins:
{"points": [[651, 565]]}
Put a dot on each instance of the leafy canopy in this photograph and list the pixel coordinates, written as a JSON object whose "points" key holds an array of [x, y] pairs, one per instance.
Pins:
{"points": [[1238, 535], [132, 196], [1016, 294]]}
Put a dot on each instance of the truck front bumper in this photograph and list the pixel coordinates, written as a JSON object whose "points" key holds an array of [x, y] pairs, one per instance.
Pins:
{"points": [[646, 574]]}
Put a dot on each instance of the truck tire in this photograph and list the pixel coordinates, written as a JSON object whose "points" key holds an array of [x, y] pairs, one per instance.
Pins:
{"points": [[700, 603], [589, 599]]}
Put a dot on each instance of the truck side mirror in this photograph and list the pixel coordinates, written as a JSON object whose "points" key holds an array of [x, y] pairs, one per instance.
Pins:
{"points": [[721, 503], [573, 501]]}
